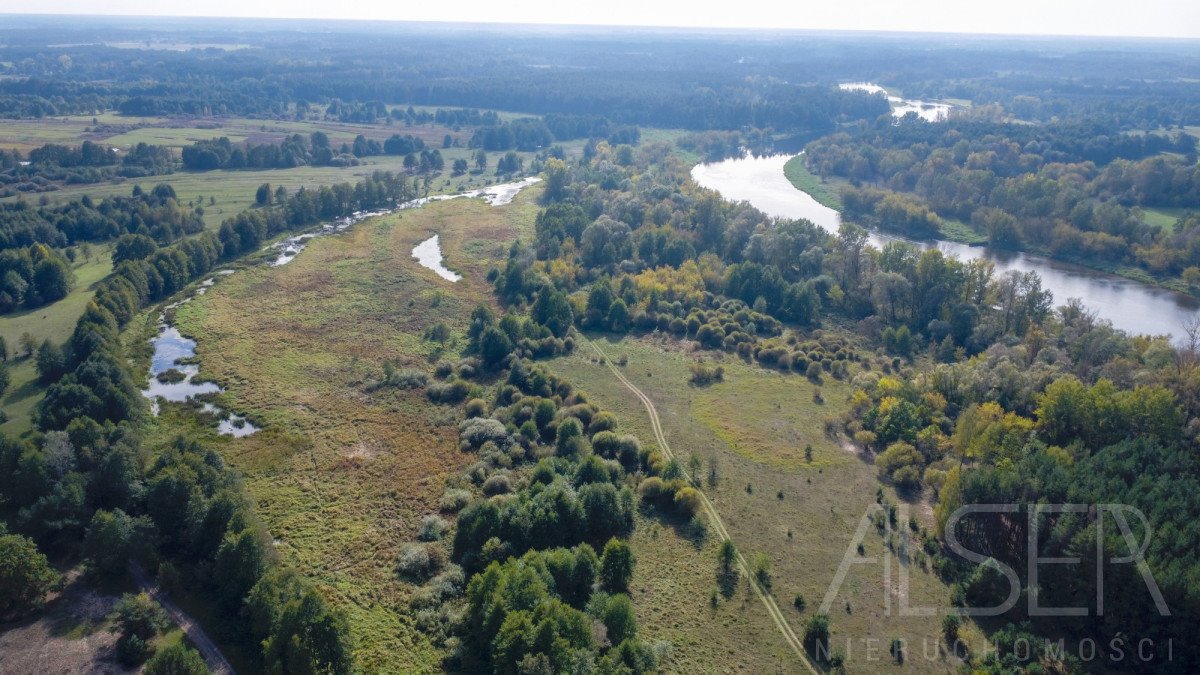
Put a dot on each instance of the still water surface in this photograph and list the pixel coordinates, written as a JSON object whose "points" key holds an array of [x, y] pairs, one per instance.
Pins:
{"points": [[929, 111]]}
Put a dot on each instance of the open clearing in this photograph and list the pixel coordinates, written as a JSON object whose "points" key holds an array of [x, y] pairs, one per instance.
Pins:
{"points": [[72, 635], [54, 322], [233, 191], [755, 424]]}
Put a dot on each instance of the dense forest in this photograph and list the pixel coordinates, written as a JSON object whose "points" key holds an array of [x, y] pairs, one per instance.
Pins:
{"points": [[695, 81], [1072, 190]]}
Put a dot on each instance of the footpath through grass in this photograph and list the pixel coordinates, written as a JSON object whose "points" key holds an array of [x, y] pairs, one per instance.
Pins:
{"points": [[801, 515]]}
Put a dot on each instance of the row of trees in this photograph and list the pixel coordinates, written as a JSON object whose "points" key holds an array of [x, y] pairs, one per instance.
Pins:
{"points": [[156, 214], [295, 150], [85, 163]]}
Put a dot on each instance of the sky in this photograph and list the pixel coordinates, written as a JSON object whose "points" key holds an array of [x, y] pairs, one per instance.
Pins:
{"points": [[1144, 18]]}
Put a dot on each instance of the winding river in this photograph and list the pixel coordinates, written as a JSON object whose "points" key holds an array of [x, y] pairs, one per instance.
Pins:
{"points": [[1131, 306], [930, 111]]}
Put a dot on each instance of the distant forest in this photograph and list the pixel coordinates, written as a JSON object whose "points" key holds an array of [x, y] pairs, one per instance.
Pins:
{"points": [[696, 81]]}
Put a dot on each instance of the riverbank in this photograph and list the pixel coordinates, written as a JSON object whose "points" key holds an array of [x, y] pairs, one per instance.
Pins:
{"points": [[825, 192], [1121, 296]]}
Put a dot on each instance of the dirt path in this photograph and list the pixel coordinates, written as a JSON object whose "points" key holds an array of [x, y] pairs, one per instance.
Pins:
{"points": [[208, 649], [714, 518]]}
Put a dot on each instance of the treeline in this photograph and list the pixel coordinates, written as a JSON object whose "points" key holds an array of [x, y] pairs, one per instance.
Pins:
{"points": [[1056, 190], [88, 487], [86, 163], [526, 134], [1003, 149], [1111, 90], [697, 81], [156, 214], [530, 134], [714, 87], [373, 112], [298, 150], [659, 256], [293, 151]]}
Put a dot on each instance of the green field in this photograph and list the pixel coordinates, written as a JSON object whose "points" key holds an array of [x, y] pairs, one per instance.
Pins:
{"points": [[755, 425], [234, 190], [124, 131], [957, 230], [1164, 217], [54, 322], [341, 474]]}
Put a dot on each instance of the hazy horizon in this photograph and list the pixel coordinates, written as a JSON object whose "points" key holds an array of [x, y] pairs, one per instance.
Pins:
{"points": [[1172, 19]]}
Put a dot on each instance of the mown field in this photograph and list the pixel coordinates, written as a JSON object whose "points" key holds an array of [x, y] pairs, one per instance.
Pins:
{"points": [[54, 322], [801, 514], [342, 475]]}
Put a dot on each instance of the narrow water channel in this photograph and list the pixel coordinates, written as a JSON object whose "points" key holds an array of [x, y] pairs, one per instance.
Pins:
{"points": [[173, 367]]}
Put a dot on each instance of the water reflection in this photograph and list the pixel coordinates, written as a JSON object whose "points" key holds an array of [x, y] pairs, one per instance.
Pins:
{"points": [[927, 110], [429, 254], [173, 371]]}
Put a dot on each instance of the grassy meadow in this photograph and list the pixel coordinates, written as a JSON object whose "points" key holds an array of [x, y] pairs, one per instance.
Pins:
{"points": [[825, 192], [234, 191], [123, 131], [802, 515], [54, 322], [342, 474], [1164, 217]]}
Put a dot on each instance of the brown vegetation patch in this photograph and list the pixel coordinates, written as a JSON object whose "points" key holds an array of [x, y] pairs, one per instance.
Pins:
{"points": [[70, 636]]}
